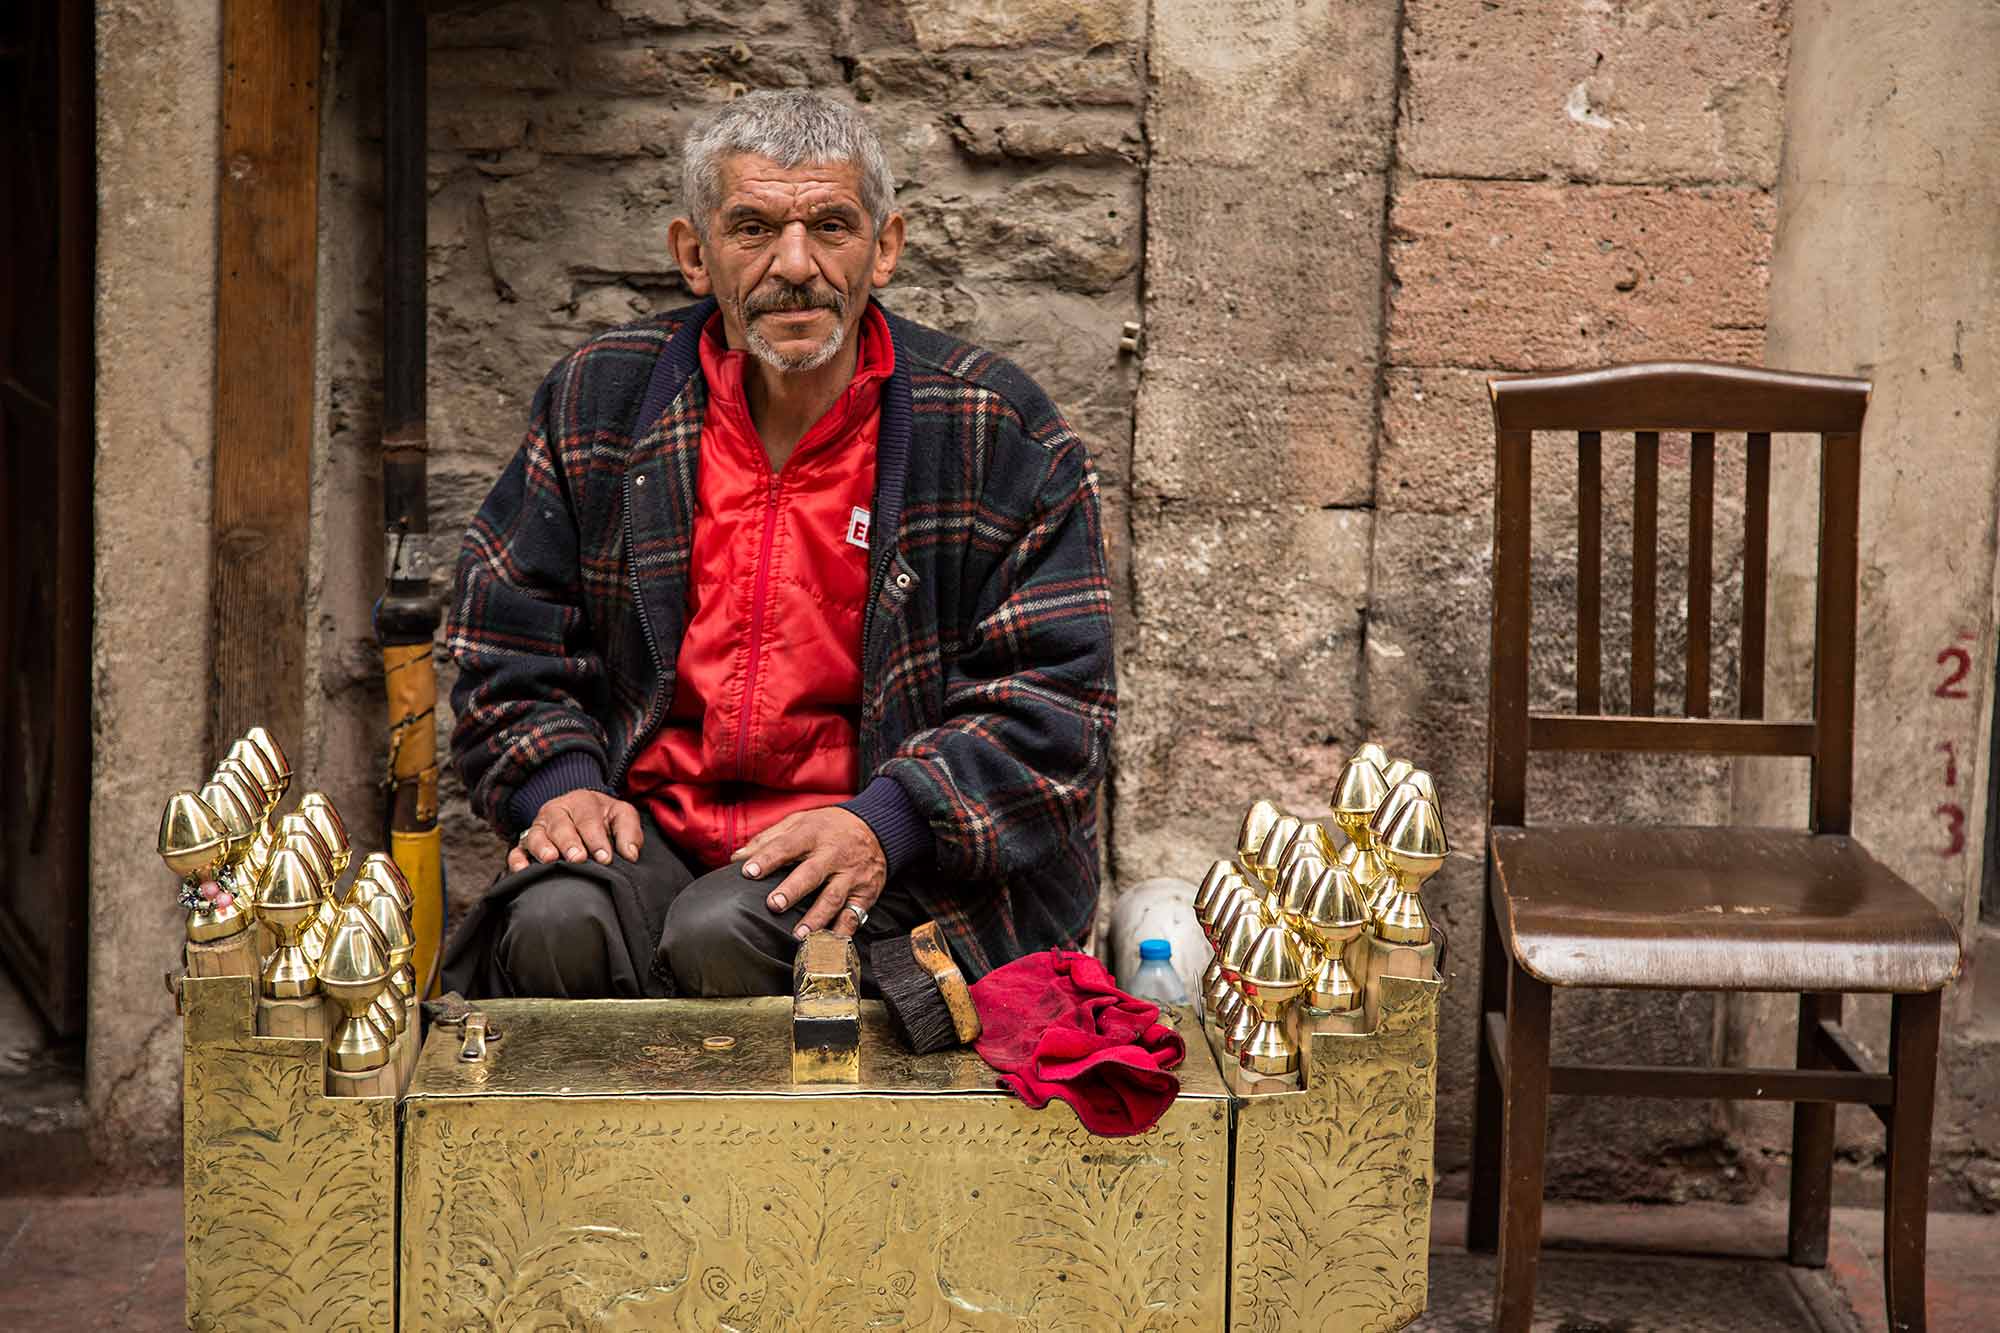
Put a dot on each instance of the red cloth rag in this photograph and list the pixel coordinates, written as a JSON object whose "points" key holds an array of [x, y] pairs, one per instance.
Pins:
{"points": [[1055, 1025]]}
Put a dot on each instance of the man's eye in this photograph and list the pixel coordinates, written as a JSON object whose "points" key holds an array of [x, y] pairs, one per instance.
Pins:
{"points": [[752, 229], [833, 228]]}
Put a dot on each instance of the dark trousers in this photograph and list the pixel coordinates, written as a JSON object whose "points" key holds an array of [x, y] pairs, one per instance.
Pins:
{"points": [[634, 929]]}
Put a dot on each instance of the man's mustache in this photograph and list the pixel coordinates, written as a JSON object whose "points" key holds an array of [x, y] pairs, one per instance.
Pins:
{"points": [[786, 296]]}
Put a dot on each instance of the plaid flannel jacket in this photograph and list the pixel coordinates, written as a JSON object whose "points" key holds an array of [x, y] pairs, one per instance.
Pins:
{"points": [[987, 685]]}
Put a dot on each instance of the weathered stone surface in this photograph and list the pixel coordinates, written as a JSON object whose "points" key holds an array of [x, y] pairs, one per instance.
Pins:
{"points": [[546, 228], [476, 124], [1545, 276], [1263, 267], [1437, 442], [523, 23], [1073, 229], [1241, 671], [700, 74], [1232, 81], [974, 79], [1093, 138], [945, 25], [1245, 433], [595, 127], [1651, 94], [496, 69]]}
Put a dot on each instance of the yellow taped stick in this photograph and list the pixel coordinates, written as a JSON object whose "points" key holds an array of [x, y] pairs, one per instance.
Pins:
{"points": [[420, 857]]}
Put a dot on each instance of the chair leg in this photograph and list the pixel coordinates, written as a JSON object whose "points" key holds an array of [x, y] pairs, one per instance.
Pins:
{"points": [[1482, 1213], [1812, 1147], [1525, 1116], [1913, 1048]]}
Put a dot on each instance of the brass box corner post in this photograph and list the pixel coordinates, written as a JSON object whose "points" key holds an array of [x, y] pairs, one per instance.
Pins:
{"points": [[1341, 1171], [290, 1194], [826, 1010]]}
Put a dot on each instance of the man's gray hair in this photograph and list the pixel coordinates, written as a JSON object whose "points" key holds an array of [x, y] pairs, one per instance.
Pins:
{"points": [[791, 127]]}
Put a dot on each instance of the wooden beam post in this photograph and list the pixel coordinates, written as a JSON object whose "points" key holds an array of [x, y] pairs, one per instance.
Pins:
{"points": [[269, 220]]}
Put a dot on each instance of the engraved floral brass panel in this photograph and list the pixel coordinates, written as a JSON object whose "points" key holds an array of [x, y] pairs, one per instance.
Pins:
{"points": [[290, 1194], [1331, 1218], [752, 1212]]}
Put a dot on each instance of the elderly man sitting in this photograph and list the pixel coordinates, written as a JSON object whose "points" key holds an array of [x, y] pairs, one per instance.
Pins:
{"points": [[787, 614]]}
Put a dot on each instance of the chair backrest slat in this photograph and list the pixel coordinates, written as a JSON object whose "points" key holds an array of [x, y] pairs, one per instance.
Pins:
{"points": [[1645, 566], [1756, 558], [1589, 572], [1507, 737], [1834, 631], [1702, 401], [1701, 566]]}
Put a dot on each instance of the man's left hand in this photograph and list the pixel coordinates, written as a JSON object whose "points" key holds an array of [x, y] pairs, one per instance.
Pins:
{"points": [[838, 858]]}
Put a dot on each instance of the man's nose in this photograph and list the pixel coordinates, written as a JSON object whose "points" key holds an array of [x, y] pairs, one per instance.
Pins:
{"points": [[794, 261]]}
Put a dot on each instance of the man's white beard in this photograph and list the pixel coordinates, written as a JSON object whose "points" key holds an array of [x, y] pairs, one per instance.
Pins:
{"points": [[762, 348]]}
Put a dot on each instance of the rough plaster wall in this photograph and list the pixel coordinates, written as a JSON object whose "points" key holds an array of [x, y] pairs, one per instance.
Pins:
{"points": [[158, 102], [555, 125], [1887, 265]]}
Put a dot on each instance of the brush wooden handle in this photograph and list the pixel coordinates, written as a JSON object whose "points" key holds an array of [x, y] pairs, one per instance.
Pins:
{"points": [[927, 946]]}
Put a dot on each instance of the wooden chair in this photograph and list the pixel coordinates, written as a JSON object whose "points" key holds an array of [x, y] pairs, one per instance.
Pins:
{"points": [[1683, 908]]}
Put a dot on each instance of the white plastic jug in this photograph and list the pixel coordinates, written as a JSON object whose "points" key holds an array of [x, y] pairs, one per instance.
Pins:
{"points": [[1161, 909]]}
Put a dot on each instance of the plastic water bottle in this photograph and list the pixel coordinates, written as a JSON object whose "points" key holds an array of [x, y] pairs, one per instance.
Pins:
{"points": [[1156, 980]]}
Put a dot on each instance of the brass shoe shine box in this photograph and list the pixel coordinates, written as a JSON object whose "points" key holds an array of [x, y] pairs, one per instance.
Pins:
{"points": [[783, 1163], [631, 1164]]}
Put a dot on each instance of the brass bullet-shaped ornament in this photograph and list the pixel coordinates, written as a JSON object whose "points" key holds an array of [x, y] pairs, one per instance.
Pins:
{"points": [[1333, 918], [354, 973], [1396, 770], [1373, 753], [267, 745], [382, 868], [1229, 899], [1248, 922], [1257, 821], [394, 927], [1211, 886], [1273, 975], [325, 821], [1415, 849], [259, 766], [287, 897], [194, 844], [239, 825], [1276, 839]]}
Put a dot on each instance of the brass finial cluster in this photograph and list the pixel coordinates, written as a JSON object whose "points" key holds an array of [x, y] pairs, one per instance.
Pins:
{"points": [[263, 894], [1301, 928]]}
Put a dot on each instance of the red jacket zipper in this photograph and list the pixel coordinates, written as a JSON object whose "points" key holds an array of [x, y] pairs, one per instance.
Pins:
{"points": [[746, 718]]}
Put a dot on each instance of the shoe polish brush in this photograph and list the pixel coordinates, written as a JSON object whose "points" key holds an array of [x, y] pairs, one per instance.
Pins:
{"points": [[926, 994]]}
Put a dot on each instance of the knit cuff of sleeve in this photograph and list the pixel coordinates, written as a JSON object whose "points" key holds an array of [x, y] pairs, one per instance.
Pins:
{"points": [[896, 822], [572, 770]]}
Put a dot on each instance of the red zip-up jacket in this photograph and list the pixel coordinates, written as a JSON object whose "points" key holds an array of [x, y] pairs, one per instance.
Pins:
{"points": [[767, 684]]}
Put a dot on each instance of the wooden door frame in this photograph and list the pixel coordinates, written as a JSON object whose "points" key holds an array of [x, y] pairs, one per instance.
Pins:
{"points": [[265, 367]]}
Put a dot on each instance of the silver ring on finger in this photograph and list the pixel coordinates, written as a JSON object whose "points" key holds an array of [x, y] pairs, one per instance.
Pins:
{"points": [[860, 913], [522, 841]]}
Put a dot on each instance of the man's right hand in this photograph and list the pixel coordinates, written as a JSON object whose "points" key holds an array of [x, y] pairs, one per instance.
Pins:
{"points": [[583, 823]]}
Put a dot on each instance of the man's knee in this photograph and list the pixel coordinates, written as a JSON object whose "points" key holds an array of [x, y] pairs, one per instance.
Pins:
{"points": [[554, 941], [720, 939]]}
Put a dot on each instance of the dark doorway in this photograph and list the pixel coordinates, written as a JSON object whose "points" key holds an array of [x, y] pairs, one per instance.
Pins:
{"points": [[47, 235]]}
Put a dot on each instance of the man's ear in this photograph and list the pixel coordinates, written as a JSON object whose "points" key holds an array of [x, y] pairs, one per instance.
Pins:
{"points": [[685, 243], [888, 250]]}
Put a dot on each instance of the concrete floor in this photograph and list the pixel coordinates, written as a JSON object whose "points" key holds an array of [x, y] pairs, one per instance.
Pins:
{"points": [[114, 1262]]}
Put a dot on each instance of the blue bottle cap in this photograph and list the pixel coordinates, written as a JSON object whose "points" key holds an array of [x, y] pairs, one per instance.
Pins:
{"points": [[1151, 949]]}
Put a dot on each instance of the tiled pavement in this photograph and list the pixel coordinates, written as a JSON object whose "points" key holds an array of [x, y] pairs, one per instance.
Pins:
{"points": [[88, 1262]]}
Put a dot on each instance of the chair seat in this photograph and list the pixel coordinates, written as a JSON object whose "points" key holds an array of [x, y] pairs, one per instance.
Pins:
{"points": [[1737, 909]]}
